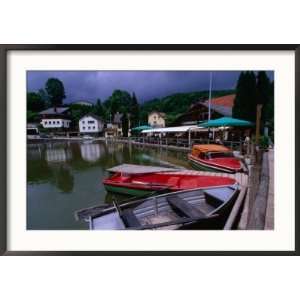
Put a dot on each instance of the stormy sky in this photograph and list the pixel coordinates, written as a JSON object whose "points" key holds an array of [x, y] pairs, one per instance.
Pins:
{"points": [[90, 85]]}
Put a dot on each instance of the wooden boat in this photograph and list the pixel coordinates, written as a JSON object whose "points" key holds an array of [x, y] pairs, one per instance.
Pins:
{"points": [[141, 180], [214, 158], [193, 209]]}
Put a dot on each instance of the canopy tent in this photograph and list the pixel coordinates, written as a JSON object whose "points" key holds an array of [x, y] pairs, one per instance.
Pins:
{"points": [[141, 128], [138, 130], [174, 129], [226, 121]]}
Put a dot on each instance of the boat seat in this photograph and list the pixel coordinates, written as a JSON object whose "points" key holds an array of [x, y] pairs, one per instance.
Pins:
{"points": [[217, 197], [130, 219], [184, 207]]}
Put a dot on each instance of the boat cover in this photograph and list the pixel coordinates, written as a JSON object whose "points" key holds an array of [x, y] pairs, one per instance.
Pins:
{"points": [[210, 148], [139, 169]]}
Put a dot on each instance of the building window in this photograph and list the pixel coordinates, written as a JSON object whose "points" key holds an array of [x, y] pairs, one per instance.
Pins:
{"points": [[91, 122], [83, 122], [46, 122], [94, 127], [89, 127], [49, 122], [83, 128]]}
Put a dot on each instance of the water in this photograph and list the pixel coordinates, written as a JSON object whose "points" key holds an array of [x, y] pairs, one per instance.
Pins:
{"points": [[63, 177]]}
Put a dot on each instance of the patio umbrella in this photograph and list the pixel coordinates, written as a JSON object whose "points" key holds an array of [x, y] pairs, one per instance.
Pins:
{"points": [[226, 121], [141, 128]]}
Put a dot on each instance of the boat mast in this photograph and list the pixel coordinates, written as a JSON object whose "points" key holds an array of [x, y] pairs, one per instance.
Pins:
{"points": [[209, 98], [209, 101]]}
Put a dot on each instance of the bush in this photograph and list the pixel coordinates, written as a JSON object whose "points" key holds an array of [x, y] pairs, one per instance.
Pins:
{"points": [[264, 142]]}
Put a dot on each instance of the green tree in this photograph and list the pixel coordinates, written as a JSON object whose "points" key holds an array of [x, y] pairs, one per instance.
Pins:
{"points": [[35, 102], [56, 91], [264, 95], [119, 101], [78, 111], [134, 111], [45, 97], [99, 110], [125, 125], [246, 97]]}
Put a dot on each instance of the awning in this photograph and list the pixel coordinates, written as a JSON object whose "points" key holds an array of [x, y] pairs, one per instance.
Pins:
{"points": [[141, 128], [174, 129], [226, 121]]}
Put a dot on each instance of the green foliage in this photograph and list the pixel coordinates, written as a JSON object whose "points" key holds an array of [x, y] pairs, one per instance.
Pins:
{"points": [[35, 102], [119, 101], [264, 142], [78, 111], [99, 109], [246, 97], [125, 125], [134, 111], [252, 90], [31, 116], [45, 97], [56, 91]]}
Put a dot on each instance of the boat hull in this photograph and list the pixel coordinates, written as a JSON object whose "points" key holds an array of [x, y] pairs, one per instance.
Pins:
{"points": [[183, 210], [201, 165], [142, 185], [127, 191]]}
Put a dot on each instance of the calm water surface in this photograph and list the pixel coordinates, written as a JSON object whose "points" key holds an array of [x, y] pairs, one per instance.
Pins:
{"points": [[63, 177]]}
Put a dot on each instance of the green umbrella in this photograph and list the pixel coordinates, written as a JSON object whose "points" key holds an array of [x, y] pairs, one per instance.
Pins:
{"points": [[226, 121], [141, 128]]}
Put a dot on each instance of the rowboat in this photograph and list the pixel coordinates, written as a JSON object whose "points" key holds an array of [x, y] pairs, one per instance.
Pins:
{"points": [[215, 158], [142, 180], [193, 209]]}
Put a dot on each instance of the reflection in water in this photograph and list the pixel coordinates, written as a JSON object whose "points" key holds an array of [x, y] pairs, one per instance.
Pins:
{"points": [[64, 179], [90, 152], [58, 155], [67, 176]]}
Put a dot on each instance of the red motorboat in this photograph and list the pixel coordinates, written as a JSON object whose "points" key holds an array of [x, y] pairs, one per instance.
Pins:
{"points": [[141, 180], [215, 158]]}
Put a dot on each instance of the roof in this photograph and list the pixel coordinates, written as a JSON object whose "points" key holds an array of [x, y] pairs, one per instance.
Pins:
{"points": [[93, 116], [222, 105], [211, 148], [175, 129], [163, 115], [51, 111], [118, 117], [226, 121], [226, 101], [139, 169]]}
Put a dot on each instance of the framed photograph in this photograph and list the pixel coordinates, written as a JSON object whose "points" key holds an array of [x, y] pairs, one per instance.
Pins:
{"points": [[149, 149]]}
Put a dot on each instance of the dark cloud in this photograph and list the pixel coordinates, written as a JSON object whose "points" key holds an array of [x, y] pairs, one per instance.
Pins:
{"points": [[90, 85]]}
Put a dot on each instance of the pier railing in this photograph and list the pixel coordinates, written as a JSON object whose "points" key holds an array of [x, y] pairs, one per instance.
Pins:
{"points": [[181, 142]]}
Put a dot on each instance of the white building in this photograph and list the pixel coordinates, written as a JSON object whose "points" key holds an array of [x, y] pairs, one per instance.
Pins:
{"points": [[55, 123], [157, 119], [55, 117], [91, 123]]}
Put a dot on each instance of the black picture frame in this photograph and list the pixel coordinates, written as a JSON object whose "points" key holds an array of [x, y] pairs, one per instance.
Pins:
{"points": [[4, 49]]}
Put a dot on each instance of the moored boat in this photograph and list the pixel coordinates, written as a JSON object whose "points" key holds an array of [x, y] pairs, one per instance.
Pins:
{"points": [[141, 180], [193, 209], [214, 157]]}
